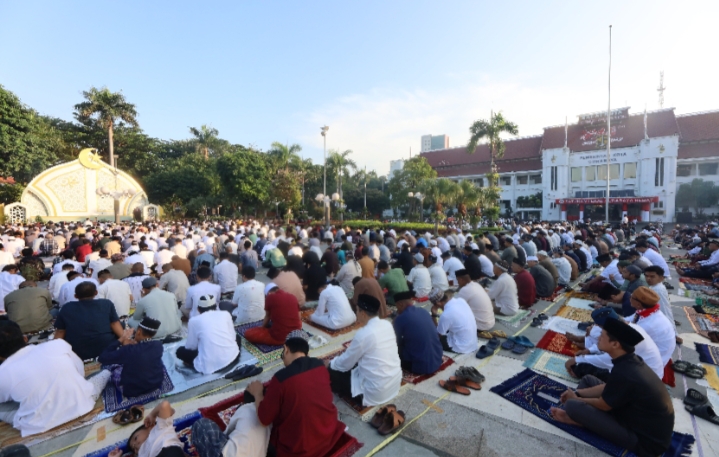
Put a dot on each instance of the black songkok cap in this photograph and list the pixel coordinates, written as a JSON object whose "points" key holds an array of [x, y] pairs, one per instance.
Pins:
{"points": [[406, 295], [368, 303], [622, 332]]}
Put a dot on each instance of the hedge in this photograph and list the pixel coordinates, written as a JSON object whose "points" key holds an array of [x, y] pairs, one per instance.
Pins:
{"points": [[416, 226]]}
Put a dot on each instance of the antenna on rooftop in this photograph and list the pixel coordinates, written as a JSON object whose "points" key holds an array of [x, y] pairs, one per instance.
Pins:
{"points": [[661, 89]]}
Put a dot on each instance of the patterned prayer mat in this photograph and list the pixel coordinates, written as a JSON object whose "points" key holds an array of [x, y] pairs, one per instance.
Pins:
{"points": [[563, 326], [699, 281], [92, 367], [701, 323], [580, 303], [311, 304], [549, 363], [582, 295], [305, 316], [115, 400], [530, 391], [575, 314], [558, 343], [700, 288], [262, 357], [183, 428], [708, 354], [513, 321], [712, 376], [408, 377], [557, 292], [707, 309], [242, 328], [222, 411]]}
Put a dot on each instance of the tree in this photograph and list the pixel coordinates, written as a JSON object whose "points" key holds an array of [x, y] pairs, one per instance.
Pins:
{"points": [[107, 108], [283, 156], [699, 194], [439, 192], [245, 178], [189, 177], [206, 139], [414, 172], [340, 164], [466, 196], [491, 131]]}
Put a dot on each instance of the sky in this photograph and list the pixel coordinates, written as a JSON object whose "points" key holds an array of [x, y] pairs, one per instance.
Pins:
{"points": [[379, 74]]}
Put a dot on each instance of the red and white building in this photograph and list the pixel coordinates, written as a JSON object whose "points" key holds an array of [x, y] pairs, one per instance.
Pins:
{"points": [[651, 155]]}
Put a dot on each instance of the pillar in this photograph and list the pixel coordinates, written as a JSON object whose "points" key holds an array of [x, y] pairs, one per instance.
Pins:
{"points": [[581, 213], [625, 209], [564, 212], [645, 212]]}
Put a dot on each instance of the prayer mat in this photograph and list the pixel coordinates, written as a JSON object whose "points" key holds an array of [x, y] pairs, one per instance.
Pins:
{"points": [[408, 377], [529, 391], [582, 295], [549, 363], [115, 400], [699, 287], [262, 356], [242, 328], [699, 281], [357, 407], [700, 322], [305, 316], [312, 304], [708, 354], [575, 314], [513, 321], [346, 446], [558, 343], [221, 412], [707, 309], [92, 367], [554, 295], [563, 326], [712, 376], [580, 303], [183, 428]]}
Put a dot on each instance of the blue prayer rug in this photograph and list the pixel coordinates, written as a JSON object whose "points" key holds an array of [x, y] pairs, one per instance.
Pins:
{"points": [[531, 390], [183, 427], [114, 399], [707, 354]]}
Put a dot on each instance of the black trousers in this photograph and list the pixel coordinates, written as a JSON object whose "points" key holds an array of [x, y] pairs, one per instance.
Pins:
{"points": [[227, 305], [188, 355], [445, 344], [702, 273], [341, 384]]}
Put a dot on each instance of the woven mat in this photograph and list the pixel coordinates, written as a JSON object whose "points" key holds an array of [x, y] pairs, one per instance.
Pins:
{"points": [[698, 281], [582, 295], [264, 348], [575, 314], [558, 343], [305, 316], [409, 377], [549, 363], [701, 323], [92, 367], [712, 376], [513, 321], [262, 357]]}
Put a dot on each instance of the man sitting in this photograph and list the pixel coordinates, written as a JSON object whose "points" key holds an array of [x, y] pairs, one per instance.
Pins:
{"points": [[563, 266], [477, 299], [29, 307], [437, 274], [249, 298], [392, 279], [118, 292], [140, 358], [288, 281], [650, 317], [282, 315], [10, 280], [212, 343], [175, 282], [135, 279], [159, 305], [419, 277], [526, 287], [456, 326], [89, 325], [30, 374], [204, 287], [300, 393], [420, 351], [225, 274], [543, 279], [369, 286], [370, 367], [632, 409], [333, 310], [504, 291]]}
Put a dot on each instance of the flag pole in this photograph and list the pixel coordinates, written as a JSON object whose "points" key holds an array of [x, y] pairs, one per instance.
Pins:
{"points": [[609, 122]]}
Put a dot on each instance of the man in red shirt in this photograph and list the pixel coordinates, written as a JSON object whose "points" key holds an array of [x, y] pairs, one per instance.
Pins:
{"points": [[282, 315], [298, 403], [526, 288], [84, 249]]}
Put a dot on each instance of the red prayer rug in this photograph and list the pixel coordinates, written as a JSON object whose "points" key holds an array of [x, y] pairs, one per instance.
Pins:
{"points": [[556, 342], [554, 295], [408, 377]]}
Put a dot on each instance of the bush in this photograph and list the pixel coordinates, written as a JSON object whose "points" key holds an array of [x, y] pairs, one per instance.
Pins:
{"points": [[416, 226]]}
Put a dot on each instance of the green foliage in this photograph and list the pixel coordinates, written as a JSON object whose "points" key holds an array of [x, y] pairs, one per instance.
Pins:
{"points": [[491, 130], [415, 171], [416, 226], [185, 179], [530, 201], [244, 177], [698, 194], [10, 193]]}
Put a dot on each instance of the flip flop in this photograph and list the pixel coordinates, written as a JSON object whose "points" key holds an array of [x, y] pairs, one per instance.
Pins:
{"points": [[536, 322], [519, 349], [542, 317], [493, 343], [393, 421], [453, 387], [484, 352], [122, 417], [137, 413], [695, 398], [485, 335], [704, 411], [470, 373], [379, 416], [694, 372], [681, 366], [509, 344], [466, 382], [523, 340], [498, 333]]}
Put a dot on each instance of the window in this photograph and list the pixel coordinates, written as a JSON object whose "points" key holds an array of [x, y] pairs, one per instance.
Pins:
{"points": [[658, 204], [659, 172], [479, 182], [576, 174], [535, 179], [553, 173], [707, 169], [613, 172], [685, 170], [522, 179], [630, 170], [505, 180], [591, 173]]}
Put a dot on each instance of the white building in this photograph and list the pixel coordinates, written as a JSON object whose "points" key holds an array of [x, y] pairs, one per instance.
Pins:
{"points": [[651, 155], [395, 166], [434, 142]]}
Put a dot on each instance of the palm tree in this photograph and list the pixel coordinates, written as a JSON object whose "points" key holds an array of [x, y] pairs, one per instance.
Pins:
{"points": [[284, 155], [491, 131], [440, 192], [340, 163], [205, 138], [110, 107], [467, 196]]}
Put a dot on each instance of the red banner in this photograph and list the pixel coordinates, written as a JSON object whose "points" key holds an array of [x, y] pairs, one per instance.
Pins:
{"points": [[602, 201]]}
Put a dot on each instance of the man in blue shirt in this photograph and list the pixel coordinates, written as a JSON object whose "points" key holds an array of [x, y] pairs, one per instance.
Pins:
{"points": [[420, 350]]}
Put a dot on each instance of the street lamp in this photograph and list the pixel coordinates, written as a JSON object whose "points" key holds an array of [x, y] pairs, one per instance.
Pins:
{"points": [[323, 132], [326, 200], [116, 196], [419, 197]]}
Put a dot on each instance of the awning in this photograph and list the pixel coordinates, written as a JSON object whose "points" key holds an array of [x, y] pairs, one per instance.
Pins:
{"points": [[603, 201]]}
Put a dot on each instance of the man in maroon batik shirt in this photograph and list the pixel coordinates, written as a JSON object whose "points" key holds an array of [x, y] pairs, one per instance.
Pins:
{"points": [[298, 403], [526, 288]]}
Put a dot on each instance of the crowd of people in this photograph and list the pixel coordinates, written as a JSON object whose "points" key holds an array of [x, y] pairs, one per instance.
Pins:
{"points": [[116, 293]]}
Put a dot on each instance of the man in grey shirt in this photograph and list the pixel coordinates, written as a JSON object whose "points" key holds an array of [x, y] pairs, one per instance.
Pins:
{"points": [[157, 304]]}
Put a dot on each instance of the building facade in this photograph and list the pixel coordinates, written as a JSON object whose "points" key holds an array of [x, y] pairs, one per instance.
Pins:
{"points": [[562, 174], [434, 142]]}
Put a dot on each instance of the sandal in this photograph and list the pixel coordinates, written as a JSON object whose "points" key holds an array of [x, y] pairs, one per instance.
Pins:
{"points": [[680, 366], [522, 340], [485, 335], [379, 416], [493, 343], [519, 349], [695, 398], [122, 417], [393, 421], [694, 372], [137, 413], [542, 317], [536, 322], [470, 373], [704, 411], [498, 333], [465, 382], [484, 352], [452, 386], [509, 345]]}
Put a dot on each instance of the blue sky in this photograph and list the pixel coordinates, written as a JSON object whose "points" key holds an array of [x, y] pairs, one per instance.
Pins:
{"points": [[380, 74]]}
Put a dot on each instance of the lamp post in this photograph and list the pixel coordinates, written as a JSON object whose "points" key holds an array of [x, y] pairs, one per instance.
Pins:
{"points": [[323, 131], [326, 200], [116, 196], [419, 197]]}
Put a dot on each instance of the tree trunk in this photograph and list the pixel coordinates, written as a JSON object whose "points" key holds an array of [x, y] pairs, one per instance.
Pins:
{"points": [[207, 153], [110, 140]]}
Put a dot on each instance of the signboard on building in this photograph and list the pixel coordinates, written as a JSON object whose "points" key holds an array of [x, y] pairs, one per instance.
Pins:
{"points": [[602, 201]]}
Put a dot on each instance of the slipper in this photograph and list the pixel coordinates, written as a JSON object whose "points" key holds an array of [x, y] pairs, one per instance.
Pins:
{"points": [[498, 333], [171, 339], [509, 344], [393, 421], [519, 349], [695, 398], [379, 416], [680, 366], [523, 340], [704, 411], [584, 325], [470, 373], [485, 335], [453, 387], [493, 343], [694, 372], [122, 417], [466, 382], [484, 352], [536, 322], [250, 372], [542, 317], [137, 413]]}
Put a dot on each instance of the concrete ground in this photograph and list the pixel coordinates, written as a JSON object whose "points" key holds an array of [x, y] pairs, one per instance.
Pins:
{"points": [[440, 423]]}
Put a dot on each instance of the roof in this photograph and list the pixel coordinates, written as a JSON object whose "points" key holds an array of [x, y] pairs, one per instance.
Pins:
{"points": [[521, 154], [8, 180], [699, 126], [625, 132], [698, 150]]}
